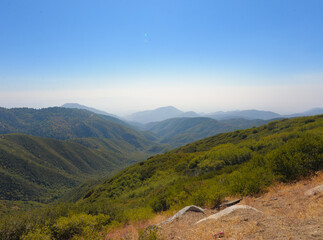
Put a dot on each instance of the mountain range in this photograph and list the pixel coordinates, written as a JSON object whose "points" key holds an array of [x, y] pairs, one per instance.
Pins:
{"points": [[73, 145], [141, 118], [44, 153], [77, 147]]}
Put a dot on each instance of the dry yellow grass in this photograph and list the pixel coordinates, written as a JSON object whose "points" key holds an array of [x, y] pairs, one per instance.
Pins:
{"points": [[130, 231], [288, 214]]}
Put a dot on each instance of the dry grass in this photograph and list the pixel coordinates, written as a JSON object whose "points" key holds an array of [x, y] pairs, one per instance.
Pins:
{"points": [[288, 214], [130, 231]]}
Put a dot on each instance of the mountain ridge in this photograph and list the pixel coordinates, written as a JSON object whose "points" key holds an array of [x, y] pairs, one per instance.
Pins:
{"points": [[65, 123], [156, 115], [159, 114], [181, 131], [143, 117], [80, 106]]}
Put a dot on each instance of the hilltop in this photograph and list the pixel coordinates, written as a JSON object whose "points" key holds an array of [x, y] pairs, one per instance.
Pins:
{"points": [[80, 106], [159, 114], [66, 123]]}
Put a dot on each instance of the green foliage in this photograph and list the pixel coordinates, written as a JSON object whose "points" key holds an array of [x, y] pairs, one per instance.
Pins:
{"points": [[243, 162], [298, 157], [250, 181], [180, 131], [35, 168], [78, 224], [159, 203], [40, 233], [42, 169], [66, 123], [32, 168]]}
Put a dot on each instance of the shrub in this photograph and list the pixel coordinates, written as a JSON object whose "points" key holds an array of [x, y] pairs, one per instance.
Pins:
{"points": [[40, 233], [255, 131], [67, 227], [250, 181], [297, 158], [159, 203]]}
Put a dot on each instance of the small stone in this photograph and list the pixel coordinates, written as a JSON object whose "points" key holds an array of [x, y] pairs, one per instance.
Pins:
{"points": [[314, 191]]}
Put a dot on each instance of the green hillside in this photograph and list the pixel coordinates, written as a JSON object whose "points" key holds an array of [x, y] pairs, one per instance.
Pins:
{"points": [[179, 131], [39, 168], [239, 163], [34, 168], [65, 123]]}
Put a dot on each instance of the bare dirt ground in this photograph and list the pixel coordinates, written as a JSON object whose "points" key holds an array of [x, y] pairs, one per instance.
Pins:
{"points": [[286, 214]]}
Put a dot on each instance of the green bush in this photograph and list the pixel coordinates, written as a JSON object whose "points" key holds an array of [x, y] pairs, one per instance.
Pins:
{"points": [[297, 158], [250, 181], [67, 227], [40, 233], [159, 203]]}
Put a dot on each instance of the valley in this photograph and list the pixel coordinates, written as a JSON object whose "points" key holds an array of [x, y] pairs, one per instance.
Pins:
{"points": [[161, 120], [46, 153], [204, 173]]}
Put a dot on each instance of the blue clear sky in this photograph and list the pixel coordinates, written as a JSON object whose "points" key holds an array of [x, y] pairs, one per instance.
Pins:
{"points": [[75, 45]]}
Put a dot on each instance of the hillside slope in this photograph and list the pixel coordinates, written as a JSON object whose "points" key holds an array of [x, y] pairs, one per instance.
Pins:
{"points": [[246, 114], [34, 167], [79, 106], [65, 123], [241, 162], [180, 131]]}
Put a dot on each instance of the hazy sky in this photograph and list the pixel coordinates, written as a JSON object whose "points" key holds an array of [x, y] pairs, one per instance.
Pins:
{"points": [[122, 56]]}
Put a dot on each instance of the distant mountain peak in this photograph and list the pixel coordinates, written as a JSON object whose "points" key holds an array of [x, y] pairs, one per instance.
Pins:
{"points": [[159, 114]]}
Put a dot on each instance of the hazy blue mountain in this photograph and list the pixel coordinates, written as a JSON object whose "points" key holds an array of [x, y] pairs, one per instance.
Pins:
{"points": [[180, 131], [108, 116], [159, 114], [79, 106], [247, 114], [311, 112]]}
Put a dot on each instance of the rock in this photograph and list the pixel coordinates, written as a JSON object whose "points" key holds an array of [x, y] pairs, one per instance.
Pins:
{"points": [[231, 203], [229, 210], [191, 208], [314, 191]]}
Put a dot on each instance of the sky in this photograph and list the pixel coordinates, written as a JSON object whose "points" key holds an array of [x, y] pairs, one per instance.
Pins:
{"points": [[124, 56]]}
